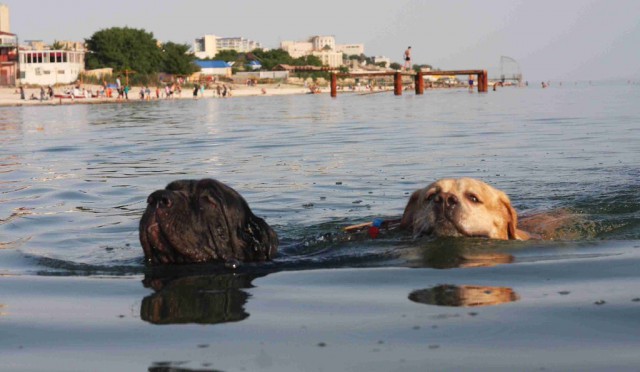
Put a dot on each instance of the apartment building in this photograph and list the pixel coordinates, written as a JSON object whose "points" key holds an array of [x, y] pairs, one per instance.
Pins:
{"points": [[323, 47], [209, 45]]}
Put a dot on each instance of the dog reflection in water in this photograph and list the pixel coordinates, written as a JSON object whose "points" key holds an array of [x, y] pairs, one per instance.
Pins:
{"points": [[200, 299], [464, 295]]}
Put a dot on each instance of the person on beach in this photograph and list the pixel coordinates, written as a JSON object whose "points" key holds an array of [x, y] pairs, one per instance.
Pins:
{"points": [[50, 92], [22, 92], [147, 93], [42, 94], [195, 91], [126, 92], [218, 91], [470, 83], [407, 58]]}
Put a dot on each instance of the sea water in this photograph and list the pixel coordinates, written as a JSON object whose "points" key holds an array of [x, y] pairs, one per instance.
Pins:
{"points": [[74, 181]]}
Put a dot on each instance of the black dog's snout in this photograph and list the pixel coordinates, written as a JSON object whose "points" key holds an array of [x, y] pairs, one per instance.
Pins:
{"points": [[446, 199], [161, 198]]}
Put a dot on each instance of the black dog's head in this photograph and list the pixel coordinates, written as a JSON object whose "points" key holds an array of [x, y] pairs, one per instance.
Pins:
{"points": [[200, 221]]}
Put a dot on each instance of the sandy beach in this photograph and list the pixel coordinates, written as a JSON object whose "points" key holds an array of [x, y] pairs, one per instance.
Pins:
{"points": [[11, 96]]}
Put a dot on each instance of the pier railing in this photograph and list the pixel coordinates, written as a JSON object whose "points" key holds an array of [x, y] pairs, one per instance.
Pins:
{"points": [[481, 75]]}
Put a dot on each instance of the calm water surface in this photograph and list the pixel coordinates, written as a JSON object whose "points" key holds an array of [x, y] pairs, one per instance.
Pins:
{"points": [[74, 181]]}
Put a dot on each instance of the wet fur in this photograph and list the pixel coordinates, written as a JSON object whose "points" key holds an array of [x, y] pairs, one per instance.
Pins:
{"points": [[203, 221], [462, 207]]}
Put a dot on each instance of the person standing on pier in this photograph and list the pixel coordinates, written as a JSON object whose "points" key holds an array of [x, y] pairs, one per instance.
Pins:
{"points": [[407, 58]]}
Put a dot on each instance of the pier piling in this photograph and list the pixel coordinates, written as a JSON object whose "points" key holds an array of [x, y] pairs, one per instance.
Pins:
{"points": [[397, 83], [419, 83]]}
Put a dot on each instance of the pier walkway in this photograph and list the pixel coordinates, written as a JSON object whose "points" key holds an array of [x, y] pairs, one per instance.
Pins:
{"points": [[482, 78]]}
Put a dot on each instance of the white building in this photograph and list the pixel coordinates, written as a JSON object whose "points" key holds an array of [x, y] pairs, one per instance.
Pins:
{"points": [[49, 67], [209, 45], [5, 25], [323, 42], [323, 47], [205, 47], [297, 49], [382, 59], [214, 68], [351, 49], [239, 44], [329, 58]]}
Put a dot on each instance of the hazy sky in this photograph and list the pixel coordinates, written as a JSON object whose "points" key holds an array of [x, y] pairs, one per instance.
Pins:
{"points": [[550, 39]]}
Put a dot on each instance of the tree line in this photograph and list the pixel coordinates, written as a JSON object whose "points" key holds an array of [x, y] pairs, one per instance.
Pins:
{"points": [[133, 50], [130, 49]]}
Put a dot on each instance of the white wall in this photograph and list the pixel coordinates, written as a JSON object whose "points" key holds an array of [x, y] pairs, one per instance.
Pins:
{"points": [[43, 67]]}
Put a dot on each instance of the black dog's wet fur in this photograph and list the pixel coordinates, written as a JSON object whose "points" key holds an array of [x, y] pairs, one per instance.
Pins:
{"points": [[203, 221]]}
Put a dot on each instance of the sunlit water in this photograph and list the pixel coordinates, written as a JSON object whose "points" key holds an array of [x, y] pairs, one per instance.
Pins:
{"points": [[74, 179]]}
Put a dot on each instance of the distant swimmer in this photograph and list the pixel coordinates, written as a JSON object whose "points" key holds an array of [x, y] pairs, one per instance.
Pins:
{"points": [[544, 85], [407, 58]]}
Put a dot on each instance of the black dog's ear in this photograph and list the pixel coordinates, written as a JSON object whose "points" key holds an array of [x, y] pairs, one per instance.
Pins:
{"points": [[263, 240], [250, 237]]}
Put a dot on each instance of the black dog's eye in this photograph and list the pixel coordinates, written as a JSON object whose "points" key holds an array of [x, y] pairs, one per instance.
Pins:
{"points": [[430, 196]]}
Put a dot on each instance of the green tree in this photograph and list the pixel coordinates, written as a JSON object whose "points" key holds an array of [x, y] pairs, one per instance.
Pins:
{"points": [[307, 61], [177, 60], [226, 55], [124, 48], [395, 66], [57, 45], [272, 58]]}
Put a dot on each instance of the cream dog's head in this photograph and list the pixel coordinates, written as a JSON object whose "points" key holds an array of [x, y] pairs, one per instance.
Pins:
{"points": [[462, 207]]}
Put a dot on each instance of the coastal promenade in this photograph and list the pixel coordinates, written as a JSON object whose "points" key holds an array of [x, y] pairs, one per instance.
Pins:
{"points": [[11, 96]]}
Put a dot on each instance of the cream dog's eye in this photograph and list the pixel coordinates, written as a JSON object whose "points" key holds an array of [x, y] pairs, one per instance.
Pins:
{"points": [[474, 198]]}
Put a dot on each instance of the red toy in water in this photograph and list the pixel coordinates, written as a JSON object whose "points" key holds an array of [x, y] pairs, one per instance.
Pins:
{"points": [[374, 229]]}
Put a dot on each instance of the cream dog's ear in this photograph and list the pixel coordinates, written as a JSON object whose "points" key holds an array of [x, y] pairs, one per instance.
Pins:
{"points": [[410, 210], [512, 221]]}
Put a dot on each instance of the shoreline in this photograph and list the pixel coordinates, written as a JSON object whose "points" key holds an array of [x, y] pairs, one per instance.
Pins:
{"points": [[10, 97]]}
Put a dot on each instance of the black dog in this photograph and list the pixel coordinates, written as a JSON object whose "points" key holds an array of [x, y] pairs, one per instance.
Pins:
{"points": [[203, 221]]}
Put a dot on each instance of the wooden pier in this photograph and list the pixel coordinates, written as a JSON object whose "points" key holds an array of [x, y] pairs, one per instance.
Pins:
{"points": [[481, 75]]}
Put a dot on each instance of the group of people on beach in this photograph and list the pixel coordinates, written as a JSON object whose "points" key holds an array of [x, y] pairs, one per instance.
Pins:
{"points": [[167, 91], [44, 94]]}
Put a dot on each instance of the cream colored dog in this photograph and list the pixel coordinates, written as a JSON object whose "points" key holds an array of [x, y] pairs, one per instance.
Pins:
{"points": [[462, 207]]}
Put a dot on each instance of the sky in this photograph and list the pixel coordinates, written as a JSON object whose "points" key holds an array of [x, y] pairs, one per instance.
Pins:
{"points": [[551, 40]]}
